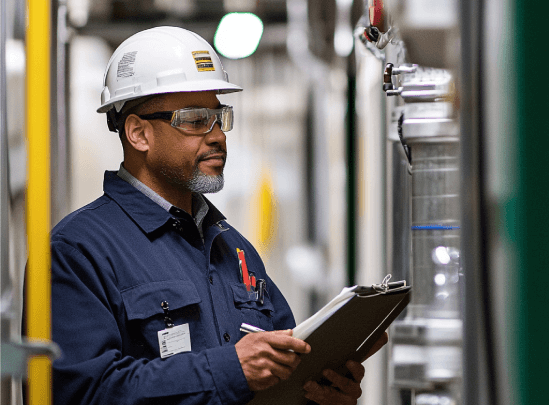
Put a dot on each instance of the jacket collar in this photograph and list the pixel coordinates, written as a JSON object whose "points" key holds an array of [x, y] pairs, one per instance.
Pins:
{"points": [[147, 214]]}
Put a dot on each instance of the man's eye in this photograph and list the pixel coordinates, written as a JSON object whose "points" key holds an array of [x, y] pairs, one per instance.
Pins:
{"points": [[195, 121]]}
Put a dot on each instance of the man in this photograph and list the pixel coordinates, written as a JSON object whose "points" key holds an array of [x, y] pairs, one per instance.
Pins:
{"points": [[150, 284]]}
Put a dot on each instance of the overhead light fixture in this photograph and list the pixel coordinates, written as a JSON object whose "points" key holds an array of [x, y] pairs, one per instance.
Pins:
{"points": [[238, 35]]}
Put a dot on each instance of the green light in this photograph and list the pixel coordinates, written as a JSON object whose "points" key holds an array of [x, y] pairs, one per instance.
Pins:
{"points": [[238, 35]]}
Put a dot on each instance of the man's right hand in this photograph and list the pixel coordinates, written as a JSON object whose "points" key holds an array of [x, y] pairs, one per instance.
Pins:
{"points": [[266, 358]]}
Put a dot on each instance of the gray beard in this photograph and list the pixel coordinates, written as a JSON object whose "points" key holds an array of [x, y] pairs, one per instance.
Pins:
{"points": [[203, 183], [198, 183]]}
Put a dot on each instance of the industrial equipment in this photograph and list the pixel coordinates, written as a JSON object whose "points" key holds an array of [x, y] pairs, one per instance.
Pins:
{"points": [[427, 343], [422, 185]]}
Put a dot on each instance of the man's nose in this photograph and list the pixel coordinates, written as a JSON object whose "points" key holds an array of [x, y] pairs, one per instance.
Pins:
{"points": [[216, 135]]}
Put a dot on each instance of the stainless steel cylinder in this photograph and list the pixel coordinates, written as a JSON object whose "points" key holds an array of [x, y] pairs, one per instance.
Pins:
{"points": [[435, 227], [427, 348]]}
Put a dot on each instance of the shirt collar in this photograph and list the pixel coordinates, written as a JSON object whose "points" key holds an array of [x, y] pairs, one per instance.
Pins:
{"points": [[199, 204], [126, 175]]}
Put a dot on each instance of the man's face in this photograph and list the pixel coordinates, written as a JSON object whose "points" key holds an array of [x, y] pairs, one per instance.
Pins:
{"points": [[191, 162]]}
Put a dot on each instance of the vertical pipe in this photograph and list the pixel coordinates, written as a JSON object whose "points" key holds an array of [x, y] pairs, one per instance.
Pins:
{"points": [[5, 279], [480, 372], [38, 193], [352, 195], [60, 170]]}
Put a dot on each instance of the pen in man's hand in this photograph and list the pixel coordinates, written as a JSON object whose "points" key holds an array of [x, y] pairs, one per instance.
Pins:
{"points": [[246, 328]]}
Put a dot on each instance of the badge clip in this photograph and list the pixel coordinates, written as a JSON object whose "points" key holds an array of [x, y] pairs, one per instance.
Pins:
{"points": [[167, 320]]}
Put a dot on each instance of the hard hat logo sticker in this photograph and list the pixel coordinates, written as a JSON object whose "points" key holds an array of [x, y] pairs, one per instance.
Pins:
{"points": [[125, 65], [203, 61]]}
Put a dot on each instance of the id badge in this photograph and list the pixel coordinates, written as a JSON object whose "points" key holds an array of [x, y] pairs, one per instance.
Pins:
{"points": [[174, 340]]}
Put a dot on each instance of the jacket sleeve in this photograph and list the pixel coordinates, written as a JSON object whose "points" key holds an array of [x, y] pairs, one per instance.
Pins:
{"points": [[87, 325]]}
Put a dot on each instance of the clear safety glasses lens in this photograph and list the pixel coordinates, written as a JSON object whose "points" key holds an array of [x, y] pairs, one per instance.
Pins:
{"points": [[197, 121]]}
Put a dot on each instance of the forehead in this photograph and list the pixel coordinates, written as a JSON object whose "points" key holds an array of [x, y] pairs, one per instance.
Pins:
{"points": [[173, 101]]}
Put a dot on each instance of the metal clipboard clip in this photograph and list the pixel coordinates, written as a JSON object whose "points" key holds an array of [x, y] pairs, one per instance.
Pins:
{"points": [[387, 287], [384, 286]]}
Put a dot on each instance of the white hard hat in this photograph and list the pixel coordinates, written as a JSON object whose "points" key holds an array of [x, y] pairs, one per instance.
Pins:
{"points": [[162, 60]]}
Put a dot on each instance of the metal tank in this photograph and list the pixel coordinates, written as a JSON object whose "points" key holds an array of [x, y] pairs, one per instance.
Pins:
{"points": [[427, 343]]}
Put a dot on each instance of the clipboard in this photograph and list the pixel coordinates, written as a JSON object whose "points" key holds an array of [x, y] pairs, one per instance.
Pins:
{"points": [[348, 334]]}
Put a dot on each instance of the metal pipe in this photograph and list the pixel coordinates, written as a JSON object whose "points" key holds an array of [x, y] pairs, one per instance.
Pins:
{"points": [[60, 156], [5, 280], [478, 373], [317, 71], [38, 294]]}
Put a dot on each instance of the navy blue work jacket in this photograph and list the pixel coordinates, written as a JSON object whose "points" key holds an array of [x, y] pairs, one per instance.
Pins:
{"points": [[113, 263]]}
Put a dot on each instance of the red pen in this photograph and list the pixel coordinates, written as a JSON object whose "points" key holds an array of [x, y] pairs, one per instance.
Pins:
{"points": [[245, 275]]}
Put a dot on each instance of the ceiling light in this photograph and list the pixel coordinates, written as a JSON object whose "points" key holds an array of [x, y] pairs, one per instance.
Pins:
{"points": [[238, 35]]}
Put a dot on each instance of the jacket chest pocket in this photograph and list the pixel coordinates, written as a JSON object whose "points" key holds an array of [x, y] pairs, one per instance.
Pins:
{"points": [[251, 310], [146, 316]]}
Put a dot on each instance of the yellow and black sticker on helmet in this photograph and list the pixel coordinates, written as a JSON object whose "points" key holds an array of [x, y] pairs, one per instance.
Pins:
{"points": [[203, 61]]}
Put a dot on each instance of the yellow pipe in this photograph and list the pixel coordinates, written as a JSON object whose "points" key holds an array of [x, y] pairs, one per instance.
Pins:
{"points": [[38, 194]]}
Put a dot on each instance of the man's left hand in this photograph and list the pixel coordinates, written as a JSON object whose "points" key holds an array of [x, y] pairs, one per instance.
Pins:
{"points": [[343, 391]]}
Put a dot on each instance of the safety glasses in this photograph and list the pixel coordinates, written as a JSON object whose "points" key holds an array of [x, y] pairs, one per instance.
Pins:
{"points": [[196, 121]]}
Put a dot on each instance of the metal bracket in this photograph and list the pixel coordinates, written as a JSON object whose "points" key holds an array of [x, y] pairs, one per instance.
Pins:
{"points": [[390, 71], [15, 356], [404, 69]]}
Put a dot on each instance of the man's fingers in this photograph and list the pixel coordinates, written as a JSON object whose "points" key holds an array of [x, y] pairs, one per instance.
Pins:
{"points": [[356, 369], [285, 357], [326, 395], [284, 341], [346, 385], [342, 391], [287, 332], [268, 357], [315, 392], [281, 348]]}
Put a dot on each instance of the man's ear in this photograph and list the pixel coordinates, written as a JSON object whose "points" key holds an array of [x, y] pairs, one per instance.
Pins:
{"points": [[137, 132]]}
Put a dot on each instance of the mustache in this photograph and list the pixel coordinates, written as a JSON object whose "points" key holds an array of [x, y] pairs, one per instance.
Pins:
{"points": [[213, 152]]}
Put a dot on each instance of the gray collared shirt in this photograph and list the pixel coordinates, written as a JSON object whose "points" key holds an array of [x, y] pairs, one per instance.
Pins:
{"points": [[199, 205]]}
